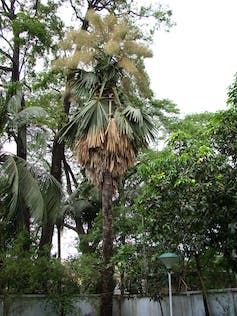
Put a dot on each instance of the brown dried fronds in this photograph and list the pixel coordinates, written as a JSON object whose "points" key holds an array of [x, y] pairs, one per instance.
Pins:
{"points": [[115, 154], [82, 151], [112, 136], [95, 138]]}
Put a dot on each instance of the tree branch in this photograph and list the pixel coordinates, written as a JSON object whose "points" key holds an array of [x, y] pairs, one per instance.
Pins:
{"points": [[4, 68], [6, 40], [6, 54], [99, 7], [67, 166], [70, 227], [5, 6], [75, 11], [24, 57], [69, 185], [36, 7]]}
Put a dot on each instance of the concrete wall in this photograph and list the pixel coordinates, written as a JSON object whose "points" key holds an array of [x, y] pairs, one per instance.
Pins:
{"points": [[39, 305], [223, 303]]}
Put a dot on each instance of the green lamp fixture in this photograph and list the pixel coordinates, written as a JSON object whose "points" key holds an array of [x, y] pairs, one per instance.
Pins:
{"points": [[169, 259]]}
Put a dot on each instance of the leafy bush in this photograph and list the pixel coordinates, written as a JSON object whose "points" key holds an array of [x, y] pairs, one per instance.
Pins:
{"points": [[24, 272]]}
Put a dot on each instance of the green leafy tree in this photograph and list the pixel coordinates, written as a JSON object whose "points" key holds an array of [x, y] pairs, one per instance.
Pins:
{"points": [[184, 184], [224, 127]]}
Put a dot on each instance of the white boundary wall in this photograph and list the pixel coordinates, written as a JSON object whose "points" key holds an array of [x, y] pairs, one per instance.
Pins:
{"points": [[223, 303]]}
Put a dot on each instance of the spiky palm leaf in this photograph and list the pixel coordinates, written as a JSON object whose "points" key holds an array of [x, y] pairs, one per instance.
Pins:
{"points": [[84, 83], [92, 118], [23, 189], [40, 193], [52, 195], [84, 203]]}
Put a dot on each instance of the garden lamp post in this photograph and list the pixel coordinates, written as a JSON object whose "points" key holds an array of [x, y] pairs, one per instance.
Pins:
{"points": [[169, 260]]}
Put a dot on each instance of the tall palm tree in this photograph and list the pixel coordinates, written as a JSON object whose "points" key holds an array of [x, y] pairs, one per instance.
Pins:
{"points": [[110, 90]]}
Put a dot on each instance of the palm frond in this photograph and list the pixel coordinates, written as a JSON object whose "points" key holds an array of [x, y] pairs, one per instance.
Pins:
{"points": [[123, 125], [91, 119], [52, 195], [79, 206], [136, 124], [84, 83], [27, 115], [11, 170], [23, 187], [134, 115], [14, 103], [113, 136]]}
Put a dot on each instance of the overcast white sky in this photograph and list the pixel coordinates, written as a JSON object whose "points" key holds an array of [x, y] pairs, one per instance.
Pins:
{"points": [[195, 62]]}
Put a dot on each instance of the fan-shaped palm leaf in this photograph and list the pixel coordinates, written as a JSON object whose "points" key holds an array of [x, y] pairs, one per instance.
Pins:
{"points": [[90, 119], [84, 83], [134, 115]]}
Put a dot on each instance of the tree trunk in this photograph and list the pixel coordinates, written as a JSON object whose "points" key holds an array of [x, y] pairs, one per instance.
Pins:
{"points": [[48, 227], [21, 151], [59, 243], [21, 141], [107, 250], [56, 171], [45, 243], [203, 287]]}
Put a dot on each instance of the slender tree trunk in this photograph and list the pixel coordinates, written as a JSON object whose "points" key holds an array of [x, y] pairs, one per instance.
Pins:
{"points": [[48, 227], [21, 151], [46, 240], [59, 243], [107, 250], [123, 235], [21, 142], [203, 287], [56, 171]]}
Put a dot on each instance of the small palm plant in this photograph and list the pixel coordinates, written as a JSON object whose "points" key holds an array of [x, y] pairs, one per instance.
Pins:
{"points": [[110, 89]]}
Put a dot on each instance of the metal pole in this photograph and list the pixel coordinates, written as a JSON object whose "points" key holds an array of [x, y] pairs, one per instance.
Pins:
{"points": [[170, 293]]}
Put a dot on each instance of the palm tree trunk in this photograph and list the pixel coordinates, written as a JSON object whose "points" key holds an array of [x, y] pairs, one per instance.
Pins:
{"points": [[107, 250]]}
